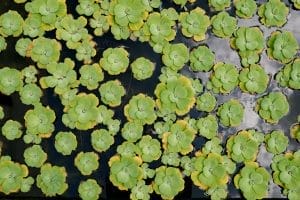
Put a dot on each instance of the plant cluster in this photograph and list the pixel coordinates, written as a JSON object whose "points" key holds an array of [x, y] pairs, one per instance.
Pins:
{"points": [[224, 78], [249, 43], [253, 181], [231, 113], [194, 24], [223, 24], [273, 13], [253, 79], [282, 46], [286, 173], [245, 8], [153, 147], [201, 59], [14, 176], [243, 147], [272, 107], [276, 142], [289, 75], [211, 172]]}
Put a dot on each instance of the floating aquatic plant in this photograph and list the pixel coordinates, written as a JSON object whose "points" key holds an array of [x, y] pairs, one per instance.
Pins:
{"points": [[89, 190], [219, 5], [245, 8], [187, 165], [87, 7], [212, 146], [65, 142], [43, 51], [168, 182], [218, 192], [175, 56], [175, 95], [49, 10], [170, 158], [194, 23], [223, 79], [52, 180], [249, 42], [86, 50], [91, 76], [20, 1], [29, 74], [10, 80], [197, 86], [159, 132], [296, 4], [105, 115], [127, 149], [112, 92], [253, 181], [101, 140], [142, 68], [99, 23], [13, 176], [282, 46], [158, 30], [286, 171], [208, 126], [3, 44], [272, 107], [34, 156], [149, 149], [71, 30], [132, 131], [211, 170], [11, 24], [129, 14], [206, 102], [289, 75], [141, 191], [273, 13], [113, 126], [125, 172], [243, 147], [40, 121], [223, 25], [253, 79], [22, 46], [115, 60], [231, 113], [30, 94], [276, 142], [81, 112], [32, 138], [33, 26], [12, 130], [168, 74], [140, 109], [179, 138], [161, 127], [147, 171], [202, 59], [86, 162]]}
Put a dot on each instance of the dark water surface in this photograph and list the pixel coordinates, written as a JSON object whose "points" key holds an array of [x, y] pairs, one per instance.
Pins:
{"points": [[14, 109]]}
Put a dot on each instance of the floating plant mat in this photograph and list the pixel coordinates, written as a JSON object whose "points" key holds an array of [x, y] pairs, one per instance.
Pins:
{"points": [[142, 103]]}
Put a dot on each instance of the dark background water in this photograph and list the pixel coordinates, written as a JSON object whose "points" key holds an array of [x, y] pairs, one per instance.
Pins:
{"points": [[14, 109]]}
